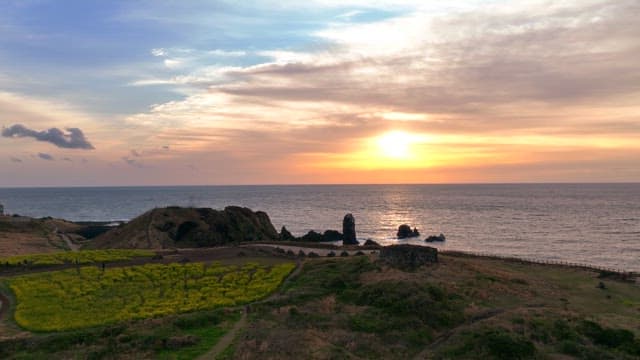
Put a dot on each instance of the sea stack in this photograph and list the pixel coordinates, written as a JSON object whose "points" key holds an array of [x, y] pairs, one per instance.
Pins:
{"points": [[349, 230]]}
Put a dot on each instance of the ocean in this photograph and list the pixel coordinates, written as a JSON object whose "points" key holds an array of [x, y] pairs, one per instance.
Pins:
{"points": [[596, 224]]}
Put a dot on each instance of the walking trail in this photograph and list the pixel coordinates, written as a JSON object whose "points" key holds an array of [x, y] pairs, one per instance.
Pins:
{"points": [[4, 306], [228, 338], [66, 238]]}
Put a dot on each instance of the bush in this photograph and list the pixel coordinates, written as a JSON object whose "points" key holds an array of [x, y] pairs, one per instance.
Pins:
{"points": [[493, 343]]}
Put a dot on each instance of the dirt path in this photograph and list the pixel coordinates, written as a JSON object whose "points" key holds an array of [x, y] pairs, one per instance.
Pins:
{"points": [[70, 244], [226, 340], [4, 306], [66, 239], [487, 315]]}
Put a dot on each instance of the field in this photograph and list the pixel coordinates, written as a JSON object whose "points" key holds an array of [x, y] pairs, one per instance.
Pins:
{"points": [[89, 296], [80, 257], [354, 307]]}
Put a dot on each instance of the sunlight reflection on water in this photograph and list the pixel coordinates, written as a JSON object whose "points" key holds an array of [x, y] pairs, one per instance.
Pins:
{"points": [[591, 223]]}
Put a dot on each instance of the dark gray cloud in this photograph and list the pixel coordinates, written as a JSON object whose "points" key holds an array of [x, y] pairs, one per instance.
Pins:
{"points": [[45, 156], [73, 139], [132, 162]]}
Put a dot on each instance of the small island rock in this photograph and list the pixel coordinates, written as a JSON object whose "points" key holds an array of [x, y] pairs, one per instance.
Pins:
{"points": [[434, 238], [404, 231]]}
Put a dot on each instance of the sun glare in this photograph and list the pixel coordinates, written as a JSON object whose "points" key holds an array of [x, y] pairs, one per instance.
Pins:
{"points": [[395, 144]]}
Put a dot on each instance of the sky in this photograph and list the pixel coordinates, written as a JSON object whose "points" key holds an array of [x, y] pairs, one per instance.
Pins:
{"points": [[146, 92]]}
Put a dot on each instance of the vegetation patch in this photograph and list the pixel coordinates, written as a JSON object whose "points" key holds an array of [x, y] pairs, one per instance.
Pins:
{"points": [[88, 296], [492, 343], [80, 257], [184, 336]]}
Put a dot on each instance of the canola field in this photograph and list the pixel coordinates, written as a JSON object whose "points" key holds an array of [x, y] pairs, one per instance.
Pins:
{"points": [[80, 257], [89, 296]]}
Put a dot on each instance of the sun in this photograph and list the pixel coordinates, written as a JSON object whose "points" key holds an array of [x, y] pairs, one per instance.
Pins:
{"points": [[395, 144]]}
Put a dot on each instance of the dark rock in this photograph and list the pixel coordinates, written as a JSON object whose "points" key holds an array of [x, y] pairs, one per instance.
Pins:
{"points": [[404, 231], [349, 230], [285, 235], [370, 242], [408, 257], [291, 253], [301, 254], [331, 254], [332, 235], [434, 238], [312, 236], [344, 254], [189, 227], [359, 253], [313, 255]]}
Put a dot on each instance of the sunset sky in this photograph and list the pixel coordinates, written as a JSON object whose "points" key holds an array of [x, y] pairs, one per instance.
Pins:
{"points": [[318, 91]]}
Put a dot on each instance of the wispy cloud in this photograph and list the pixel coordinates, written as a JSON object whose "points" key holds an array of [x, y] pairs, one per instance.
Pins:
{"points": [[73, 139]]}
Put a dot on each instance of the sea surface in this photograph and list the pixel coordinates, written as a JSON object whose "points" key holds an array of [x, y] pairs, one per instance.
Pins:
{"points": [[596, 224]]}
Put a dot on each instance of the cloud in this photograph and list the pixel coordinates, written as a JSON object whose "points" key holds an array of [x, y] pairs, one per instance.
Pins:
{"points": [[132, 162], [73, 139], [15, 159], [45, 156]]}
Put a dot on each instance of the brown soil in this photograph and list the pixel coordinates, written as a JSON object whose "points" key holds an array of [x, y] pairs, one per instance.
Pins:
{"points": [[4, 306]]}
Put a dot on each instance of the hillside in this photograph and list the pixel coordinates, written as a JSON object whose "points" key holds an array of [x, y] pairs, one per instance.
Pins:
{"points": [[176, 227], [344, 307], [22, 235]]}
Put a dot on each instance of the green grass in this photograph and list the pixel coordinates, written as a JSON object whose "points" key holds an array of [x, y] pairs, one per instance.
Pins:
{"points": [[141, 339], [208, 336]]}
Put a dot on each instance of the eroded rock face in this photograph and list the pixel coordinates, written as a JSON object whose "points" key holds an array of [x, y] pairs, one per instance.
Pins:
{"points": [[408, 257], [189, 227], [349, 230]]}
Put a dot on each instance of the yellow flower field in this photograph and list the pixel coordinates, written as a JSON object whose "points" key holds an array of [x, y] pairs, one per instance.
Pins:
{"points": [[72, 299], [81, 257]]}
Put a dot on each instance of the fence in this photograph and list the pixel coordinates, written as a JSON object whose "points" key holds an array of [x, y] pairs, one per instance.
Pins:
{"points": [[629, 275]]}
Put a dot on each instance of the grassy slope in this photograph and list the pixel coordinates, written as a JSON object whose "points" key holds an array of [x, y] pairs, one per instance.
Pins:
{"points": [[463, 307]]}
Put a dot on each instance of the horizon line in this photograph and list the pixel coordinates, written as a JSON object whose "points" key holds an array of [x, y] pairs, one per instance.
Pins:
{"points": [[322, 184]]}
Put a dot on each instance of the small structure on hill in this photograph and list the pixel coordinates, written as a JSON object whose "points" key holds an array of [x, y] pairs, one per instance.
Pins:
{"points": [[408, 257]]}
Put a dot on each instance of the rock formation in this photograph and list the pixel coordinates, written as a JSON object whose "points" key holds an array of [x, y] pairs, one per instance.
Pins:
{"points": [[332, 235], [404, 231], [435, 238], [311, 236], [408, 257], [285, 235], [370, 242], [189, 227], [349, 230]]}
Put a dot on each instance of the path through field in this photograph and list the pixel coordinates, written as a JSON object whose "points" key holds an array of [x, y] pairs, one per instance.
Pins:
{"points": [[226, 340], [66, 238], [231, 335], [4, 306]]}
